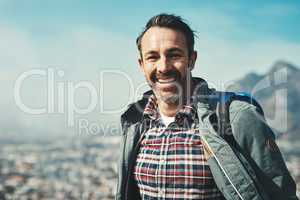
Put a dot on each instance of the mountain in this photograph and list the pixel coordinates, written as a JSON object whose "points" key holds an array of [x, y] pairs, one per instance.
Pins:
{"points": [[278, 91]]}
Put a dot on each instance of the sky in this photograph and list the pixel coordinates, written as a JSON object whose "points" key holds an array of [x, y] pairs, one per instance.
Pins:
{"points": [[90, 48]]}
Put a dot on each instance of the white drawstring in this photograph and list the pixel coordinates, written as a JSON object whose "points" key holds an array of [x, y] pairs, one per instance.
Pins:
{"points": [[223, 169]]}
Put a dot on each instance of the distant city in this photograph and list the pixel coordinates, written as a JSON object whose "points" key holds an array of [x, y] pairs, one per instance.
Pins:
{"points": [[63, 170], [78, 169]]}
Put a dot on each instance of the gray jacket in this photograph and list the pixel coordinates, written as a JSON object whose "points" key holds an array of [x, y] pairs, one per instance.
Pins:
{"points": [[247, 167]]}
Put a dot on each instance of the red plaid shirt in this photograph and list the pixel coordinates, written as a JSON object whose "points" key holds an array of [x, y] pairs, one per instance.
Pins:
{"points": [[170, 163]]}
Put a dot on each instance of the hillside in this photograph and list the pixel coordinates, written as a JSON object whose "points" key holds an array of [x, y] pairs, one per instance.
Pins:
{"points": [[278, 91]]}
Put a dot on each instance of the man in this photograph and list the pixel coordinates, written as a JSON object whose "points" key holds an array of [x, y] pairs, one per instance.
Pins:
{"points": [[171, 146]]}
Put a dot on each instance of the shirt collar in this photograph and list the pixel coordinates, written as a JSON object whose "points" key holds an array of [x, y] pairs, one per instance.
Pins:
{"points": [[151, 110], [186, 112]]}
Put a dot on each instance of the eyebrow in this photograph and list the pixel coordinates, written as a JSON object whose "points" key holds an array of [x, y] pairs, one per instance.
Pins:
{"points": [[174, 50]]}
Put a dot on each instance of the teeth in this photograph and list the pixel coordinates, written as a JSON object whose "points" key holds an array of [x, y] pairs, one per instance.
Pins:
{"points": [[168, 80]]}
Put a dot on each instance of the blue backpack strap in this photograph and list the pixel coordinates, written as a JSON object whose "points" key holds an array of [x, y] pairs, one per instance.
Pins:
{"points": [[222, 109]]}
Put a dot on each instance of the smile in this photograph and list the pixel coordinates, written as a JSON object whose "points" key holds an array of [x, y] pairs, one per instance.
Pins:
{"points": [[166, 80]]}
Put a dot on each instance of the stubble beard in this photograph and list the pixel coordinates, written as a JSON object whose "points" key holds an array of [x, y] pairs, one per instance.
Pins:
{"points": [[172, 97], [176, 95]]}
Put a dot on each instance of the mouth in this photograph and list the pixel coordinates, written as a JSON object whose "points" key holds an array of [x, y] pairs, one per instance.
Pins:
{"points": [[166, 80]]}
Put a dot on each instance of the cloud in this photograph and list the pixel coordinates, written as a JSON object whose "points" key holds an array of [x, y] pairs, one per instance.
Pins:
{"points": [[16, 49], [84, 47], [82, 53], [224, 60]]}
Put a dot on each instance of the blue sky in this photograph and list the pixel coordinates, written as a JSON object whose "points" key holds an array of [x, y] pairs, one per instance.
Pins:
{"points": [[236, 24], [260, 18], [82, 38]]}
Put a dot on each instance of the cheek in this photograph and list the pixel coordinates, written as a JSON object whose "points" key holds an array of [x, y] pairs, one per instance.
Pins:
{"points": [[149, 66], [148, 69], [182, 68]]}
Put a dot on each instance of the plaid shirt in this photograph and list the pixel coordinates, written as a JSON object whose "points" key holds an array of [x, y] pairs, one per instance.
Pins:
{"points": [[170, 163]]}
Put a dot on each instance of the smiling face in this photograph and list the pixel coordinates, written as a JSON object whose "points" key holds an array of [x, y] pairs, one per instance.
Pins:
{"points": [[166, 62]]}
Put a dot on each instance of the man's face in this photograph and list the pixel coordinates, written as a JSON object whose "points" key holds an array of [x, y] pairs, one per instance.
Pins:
{"points": [[165, 62]]}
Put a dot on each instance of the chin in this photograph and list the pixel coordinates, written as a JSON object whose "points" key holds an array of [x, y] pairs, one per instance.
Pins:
{"points": [[169, 97]]}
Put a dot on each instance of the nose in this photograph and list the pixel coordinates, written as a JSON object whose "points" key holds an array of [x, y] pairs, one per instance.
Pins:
{"points": [[163, 65]]}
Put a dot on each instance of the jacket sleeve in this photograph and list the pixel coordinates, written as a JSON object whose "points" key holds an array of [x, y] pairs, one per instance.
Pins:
{"points": [[256, 138], [121, 170]]}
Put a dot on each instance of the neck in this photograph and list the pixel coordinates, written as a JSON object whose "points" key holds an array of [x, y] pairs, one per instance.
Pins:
{"points": [[168, 109]]}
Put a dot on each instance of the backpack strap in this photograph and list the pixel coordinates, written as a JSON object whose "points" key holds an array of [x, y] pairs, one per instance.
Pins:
{"points": [[222, 109]]}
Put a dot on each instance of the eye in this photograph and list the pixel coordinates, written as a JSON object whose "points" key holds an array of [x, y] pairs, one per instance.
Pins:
{"points": [[175, 55], [152, 58]]}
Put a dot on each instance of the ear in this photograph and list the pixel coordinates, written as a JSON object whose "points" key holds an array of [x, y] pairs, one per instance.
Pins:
{"points": [[192, 60], [141, 64]]}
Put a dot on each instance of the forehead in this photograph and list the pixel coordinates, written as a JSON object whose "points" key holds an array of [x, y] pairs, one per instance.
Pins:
{"points": [[157, 38]]}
